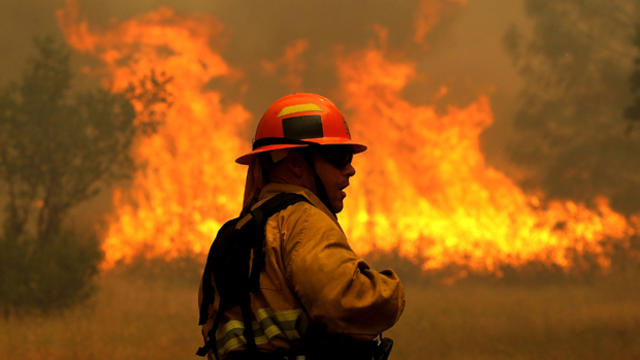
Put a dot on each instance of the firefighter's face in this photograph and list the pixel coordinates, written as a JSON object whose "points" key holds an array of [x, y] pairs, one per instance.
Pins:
{"points": [[333, 165]]}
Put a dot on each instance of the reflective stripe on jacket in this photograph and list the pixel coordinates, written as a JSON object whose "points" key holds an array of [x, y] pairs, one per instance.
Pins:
{"points": [[310, 275]]}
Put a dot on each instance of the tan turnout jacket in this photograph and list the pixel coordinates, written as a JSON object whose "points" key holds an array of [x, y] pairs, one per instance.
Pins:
{"points": [[311, 275]]}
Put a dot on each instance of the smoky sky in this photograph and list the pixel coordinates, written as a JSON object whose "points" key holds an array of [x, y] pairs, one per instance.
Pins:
{"points": [[463, 51]]}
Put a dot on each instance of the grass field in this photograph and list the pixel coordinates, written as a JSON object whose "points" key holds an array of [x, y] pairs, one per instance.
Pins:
{"points": [[147, 315]]}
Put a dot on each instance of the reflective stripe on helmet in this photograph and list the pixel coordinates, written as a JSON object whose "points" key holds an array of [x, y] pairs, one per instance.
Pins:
{"points": [[292, 109]]}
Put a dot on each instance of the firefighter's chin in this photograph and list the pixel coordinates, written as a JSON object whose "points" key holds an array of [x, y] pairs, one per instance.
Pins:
{"points": [[337, 203]]}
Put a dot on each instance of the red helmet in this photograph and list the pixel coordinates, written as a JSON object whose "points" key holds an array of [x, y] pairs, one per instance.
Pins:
{"points": [[299, 120]]}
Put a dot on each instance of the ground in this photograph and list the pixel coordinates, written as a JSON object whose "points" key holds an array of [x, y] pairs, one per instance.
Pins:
{"points": [[142, 314]]}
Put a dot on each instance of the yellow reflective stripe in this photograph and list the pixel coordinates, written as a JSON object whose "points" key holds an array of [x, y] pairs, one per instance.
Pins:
{"points": [[237, 340], [272, 331], [261, 340], [287, 320], [270, 323], [264, 317], [262, 314], [232, 344], [280, 316], [287, 315], [232, 324], [291, 109]]}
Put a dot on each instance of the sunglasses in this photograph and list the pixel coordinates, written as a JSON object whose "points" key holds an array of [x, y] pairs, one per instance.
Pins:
{"points": [[338, 156]]}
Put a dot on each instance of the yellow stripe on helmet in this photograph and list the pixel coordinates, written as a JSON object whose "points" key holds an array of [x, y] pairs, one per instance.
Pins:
{"points": [[292, 109]]}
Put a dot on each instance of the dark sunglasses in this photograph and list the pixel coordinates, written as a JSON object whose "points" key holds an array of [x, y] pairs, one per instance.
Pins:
{"points": [[338, 156]]}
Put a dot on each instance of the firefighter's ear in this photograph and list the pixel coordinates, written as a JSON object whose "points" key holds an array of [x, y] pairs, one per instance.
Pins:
{"points": [[297, 164]]}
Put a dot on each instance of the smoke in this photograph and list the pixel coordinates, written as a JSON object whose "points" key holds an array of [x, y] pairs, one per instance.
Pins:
{"points": [[456, 45], [571, 135]]}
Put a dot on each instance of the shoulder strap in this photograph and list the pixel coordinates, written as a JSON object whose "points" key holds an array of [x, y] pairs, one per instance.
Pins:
{"points": [[260, 215], [208, 292], [275, 204]]}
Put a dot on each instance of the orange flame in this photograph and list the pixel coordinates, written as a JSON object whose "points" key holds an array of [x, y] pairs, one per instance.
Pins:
{"points": [[422, 189], [189, 183]]}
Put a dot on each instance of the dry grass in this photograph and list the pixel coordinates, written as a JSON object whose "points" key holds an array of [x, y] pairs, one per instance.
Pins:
{"points": [[153, 317], [130, 318], [484, 321]]}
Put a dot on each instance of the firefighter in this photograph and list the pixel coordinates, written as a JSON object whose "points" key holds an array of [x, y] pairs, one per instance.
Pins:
{"points": [[316, 298]]}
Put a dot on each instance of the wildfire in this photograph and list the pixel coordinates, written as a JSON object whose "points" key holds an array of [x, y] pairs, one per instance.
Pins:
{"points": [[423, 189], [188, 184]]}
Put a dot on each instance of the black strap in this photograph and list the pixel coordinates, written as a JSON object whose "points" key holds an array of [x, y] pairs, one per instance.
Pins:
{"points": [[245, 307], [211, 343], [279, 141], [208, 292], [260, 215]]}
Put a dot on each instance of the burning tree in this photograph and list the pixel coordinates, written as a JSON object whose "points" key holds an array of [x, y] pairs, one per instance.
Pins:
{"points": [[59, 148]]}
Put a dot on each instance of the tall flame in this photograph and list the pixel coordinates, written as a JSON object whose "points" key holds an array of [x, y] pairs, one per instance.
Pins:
{"points": [[423, 189], [189, 183]]}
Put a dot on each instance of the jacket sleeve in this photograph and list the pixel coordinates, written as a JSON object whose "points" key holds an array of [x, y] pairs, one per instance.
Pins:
{"points": [[336, 287]]}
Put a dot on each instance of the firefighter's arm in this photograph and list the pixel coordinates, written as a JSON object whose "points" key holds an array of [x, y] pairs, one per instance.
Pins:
{"points": [[337, 287]]}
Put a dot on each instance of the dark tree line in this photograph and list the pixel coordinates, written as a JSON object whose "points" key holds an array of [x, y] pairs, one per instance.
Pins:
{"points": [[632, 113], [60, 147], [577, 60]]}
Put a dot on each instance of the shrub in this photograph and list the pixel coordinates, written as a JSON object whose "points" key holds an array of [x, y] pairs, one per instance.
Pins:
{"points": [[46, 274]]}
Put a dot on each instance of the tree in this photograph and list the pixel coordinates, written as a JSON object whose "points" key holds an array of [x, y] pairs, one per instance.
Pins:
{"points": [[60, 147], [575, 63], [632, 112]]}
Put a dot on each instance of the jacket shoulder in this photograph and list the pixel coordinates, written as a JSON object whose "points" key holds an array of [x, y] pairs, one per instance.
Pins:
{"points": [[303, 216]]}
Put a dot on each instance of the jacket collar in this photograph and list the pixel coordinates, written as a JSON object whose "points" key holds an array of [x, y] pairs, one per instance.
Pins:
{"points": [[273, 189]]}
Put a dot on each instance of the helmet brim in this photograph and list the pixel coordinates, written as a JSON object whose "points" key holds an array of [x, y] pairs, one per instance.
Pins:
{"points": [[247, 158]]}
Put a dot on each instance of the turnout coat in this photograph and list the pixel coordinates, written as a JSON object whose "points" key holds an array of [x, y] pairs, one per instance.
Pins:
{"points": [[311, 275]]}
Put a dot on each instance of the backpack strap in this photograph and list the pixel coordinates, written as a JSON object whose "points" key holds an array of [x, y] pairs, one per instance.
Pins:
{"points": [[208, 292], [260, 215], [252, 240]]}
